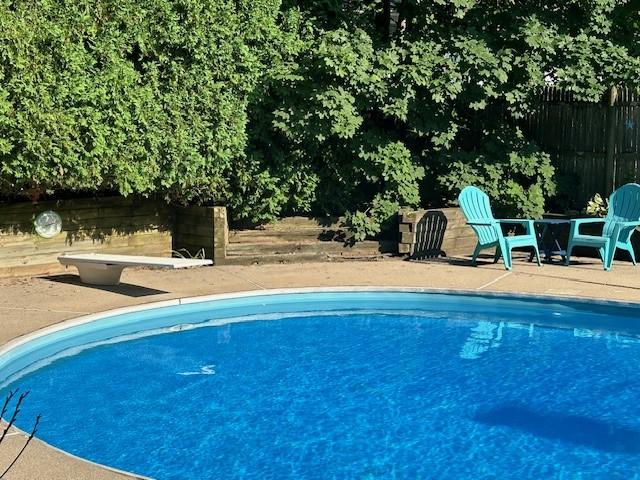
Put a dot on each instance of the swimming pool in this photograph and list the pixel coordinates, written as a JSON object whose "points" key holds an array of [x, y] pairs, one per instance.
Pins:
{"points": [[343, 384]]}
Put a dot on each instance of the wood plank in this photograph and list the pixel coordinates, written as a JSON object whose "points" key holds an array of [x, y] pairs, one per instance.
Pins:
{"points": [[68, 238], [51, 257], [259, 236], [72, 208], [80, 203], [288, 249], [183, 230], [301, 221], [208, 239], [63, 244], [124, 221]]}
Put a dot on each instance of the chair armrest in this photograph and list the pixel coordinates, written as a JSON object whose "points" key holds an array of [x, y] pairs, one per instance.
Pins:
{"points": [[515, 220], [484, 223], [619, 226], [576, 222]]}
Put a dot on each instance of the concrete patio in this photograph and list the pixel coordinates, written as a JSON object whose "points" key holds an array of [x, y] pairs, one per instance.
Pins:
{"points": [[27, 304]]}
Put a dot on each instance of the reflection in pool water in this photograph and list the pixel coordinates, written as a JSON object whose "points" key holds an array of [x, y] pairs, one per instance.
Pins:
{"points": [[486, 335]]}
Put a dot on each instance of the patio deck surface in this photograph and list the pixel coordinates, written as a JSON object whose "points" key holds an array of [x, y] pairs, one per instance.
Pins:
{"points": [[27, 304]]}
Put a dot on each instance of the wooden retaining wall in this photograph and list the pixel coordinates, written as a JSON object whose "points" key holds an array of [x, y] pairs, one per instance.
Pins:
{"points": [[434, 233], [200, 230], [143, 227], [106, 225], [298, 239]]}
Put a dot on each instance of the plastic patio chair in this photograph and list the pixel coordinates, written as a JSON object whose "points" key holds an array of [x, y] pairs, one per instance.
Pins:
{"points": [[477, 210], [619, 224]]}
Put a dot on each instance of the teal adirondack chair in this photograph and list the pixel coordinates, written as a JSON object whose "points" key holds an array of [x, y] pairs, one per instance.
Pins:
{"points": [[477, 210], [619, 224]]}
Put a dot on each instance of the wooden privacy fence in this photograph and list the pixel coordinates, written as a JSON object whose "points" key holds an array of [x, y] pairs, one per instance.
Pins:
{"points": [[596, 146]]}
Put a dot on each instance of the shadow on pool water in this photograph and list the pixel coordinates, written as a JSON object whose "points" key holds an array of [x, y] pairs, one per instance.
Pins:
{"points": [[588, 432]]}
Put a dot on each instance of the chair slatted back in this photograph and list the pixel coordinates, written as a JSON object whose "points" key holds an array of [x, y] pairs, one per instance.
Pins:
{"points": [[476, 208], [624, 206]]}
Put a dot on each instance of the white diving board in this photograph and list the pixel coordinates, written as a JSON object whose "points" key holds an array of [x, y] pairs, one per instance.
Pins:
{"points": [[105, 269]]}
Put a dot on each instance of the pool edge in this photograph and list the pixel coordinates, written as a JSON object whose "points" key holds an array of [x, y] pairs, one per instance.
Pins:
{"points": [[94, 317]]}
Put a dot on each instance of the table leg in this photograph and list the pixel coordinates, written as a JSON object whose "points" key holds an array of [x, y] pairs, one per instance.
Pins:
{"points": [[555, 235], [548, 250]]}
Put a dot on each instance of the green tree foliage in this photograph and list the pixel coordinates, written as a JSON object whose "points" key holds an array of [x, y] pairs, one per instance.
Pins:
{"points": [[133, 96], [271, 107], [405, 103]]}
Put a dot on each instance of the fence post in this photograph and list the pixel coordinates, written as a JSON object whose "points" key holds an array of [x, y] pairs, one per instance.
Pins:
{"points": [[610, 153]]}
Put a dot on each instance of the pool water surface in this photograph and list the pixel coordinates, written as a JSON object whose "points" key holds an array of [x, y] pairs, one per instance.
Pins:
{"points": [[350, 395]]}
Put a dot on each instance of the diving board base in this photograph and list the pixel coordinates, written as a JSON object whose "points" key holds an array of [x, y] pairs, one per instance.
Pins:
{"points": [[100, 274]]}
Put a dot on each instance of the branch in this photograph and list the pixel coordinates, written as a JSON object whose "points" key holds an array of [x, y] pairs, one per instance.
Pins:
{"points": [[16, 411], [24, 447], [6, 402]]}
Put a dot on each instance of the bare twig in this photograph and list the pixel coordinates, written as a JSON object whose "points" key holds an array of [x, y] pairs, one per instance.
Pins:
{"points": [[24, 447], [16, 411], [7, 400]]}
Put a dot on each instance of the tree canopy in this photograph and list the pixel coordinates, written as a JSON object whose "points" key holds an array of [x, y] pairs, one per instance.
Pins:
{"points": [[271, 107], [132, 96]]}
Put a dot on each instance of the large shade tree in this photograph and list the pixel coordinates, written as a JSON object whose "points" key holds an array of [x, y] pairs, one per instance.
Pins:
{"points": [[273, 106], [404, 102]]}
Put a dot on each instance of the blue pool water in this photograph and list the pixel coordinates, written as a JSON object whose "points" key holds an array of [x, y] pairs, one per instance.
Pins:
{"points": [[351, 395]]}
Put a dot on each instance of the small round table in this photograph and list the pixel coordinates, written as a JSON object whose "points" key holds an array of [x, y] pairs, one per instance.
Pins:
{"points": [[553, 227]]}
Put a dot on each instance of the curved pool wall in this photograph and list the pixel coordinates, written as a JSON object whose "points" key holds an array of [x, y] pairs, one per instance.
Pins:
{"points": [[17, 356]]}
